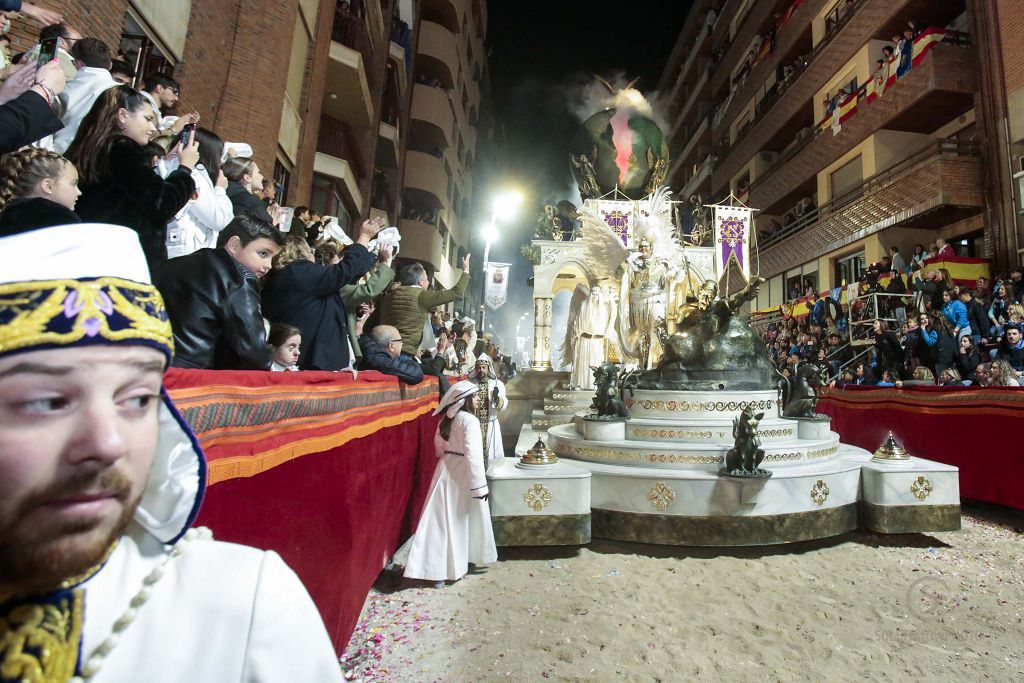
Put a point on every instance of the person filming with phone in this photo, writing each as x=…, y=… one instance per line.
x=28, y=103
x=118, y=183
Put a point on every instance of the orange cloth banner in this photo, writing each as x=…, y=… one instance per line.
x=251, y=422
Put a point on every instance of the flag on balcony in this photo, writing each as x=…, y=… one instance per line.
x=925, y=41
x=881, y=81
x=788, y=14
x=496, y=286
x=844, y=109
x=732, y=239
x=963, y=269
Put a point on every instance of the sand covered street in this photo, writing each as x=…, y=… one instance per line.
x=947, y=606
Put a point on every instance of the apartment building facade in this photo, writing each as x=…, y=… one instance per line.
x=443, y=152
x=784, y=104
x=324, y=92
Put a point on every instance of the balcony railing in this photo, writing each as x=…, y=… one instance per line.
x=828, y=211
x=350, y=25
x=338, y=139
x=761, y=109
x=809, y=134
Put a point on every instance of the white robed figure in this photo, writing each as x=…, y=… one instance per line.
x=487, y=410
x=455, y=527
x=590, y=333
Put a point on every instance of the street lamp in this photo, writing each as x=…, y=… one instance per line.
x=504, y=206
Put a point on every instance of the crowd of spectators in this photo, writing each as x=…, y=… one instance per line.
x=248, y=284
x=922, y=329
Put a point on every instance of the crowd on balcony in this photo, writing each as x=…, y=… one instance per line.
x=249, y=284
x=923, y=329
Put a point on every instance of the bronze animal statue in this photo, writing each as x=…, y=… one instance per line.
x=608, y=404
x=799, y=394
x=744, y=458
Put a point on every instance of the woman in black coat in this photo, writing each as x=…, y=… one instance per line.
x=304, y=294
x=887, y=345
x=118, y=182
x=969, y=359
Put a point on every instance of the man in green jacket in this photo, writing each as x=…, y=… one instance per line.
x=408, y=306
x=369, y=287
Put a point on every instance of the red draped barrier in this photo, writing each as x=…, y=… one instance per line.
x=328, y=471
x=977, y=429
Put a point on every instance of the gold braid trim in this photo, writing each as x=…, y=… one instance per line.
x=40, y=641
x=64, y=312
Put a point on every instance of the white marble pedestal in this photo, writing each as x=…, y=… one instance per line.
x=539, y=504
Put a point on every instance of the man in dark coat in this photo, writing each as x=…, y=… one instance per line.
x=977, y=316
x=382, y=351
x=306, y=295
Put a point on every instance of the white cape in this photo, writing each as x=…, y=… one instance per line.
x=455, y=528
x=221, y=613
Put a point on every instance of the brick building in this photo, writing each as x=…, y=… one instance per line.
x=779, y=102
x=321, y=89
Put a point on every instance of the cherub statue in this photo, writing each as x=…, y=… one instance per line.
x=607, y=403
x=799, y=397
x=745, y=457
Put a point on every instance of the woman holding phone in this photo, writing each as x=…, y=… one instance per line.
x=118, y=183
x=209, y=211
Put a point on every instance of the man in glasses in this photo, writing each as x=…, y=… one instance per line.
x=163, y=92
x=382, y=351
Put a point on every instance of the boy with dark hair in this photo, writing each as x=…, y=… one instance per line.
x=163, y=90
x=121, y=72
x=213, y=298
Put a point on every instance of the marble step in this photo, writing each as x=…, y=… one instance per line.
x=567, y=442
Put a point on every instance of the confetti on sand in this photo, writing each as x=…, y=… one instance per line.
x=948, y=606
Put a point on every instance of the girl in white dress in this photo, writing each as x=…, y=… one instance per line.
x=455, y=528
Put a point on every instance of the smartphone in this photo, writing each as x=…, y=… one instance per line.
x=187, y=133
x=47, y=52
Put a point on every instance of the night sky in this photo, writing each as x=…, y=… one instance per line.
x=542, y=58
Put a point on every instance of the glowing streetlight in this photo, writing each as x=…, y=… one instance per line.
x=503, y=207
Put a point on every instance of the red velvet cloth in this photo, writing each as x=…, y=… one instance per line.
x=335, y=517
x=328, y=471
x=977, y=429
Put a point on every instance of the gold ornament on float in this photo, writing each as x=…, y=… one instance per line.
x=890, y=450
x=661, y=496
x=921, y=488
x=537, y=498
x=540, y=454
x=819, y=493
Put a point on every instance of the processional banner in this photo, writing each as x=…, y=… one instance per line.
x=619, y=216
x=496, y=287
x=732, y=239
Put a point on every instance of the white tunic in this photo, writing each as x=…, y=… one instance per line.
x=597, y=329
x=455, y=528
x=221, y=613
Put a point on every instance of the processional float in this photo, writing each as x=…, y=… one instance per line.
x=693, y=437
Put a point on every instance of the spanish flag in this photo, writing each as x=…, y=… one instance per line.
x=963, y=269
x=925, y=41
x=784, y=19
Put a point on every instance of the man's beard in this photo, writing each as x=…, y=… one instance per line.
x=36, y=557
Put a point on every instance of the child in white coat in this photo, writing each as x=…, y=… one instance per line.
x=455, y=527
